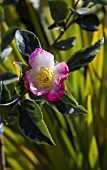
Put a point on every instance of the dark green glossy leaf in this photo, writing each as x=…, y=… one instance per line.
x=8, y=37
x=7, y=2
x=8, y=77
x=26, y=43
x=88, y=22
x=84, y=56
x=1, y=14
x=23, y=68
x=68, y=105
x=59, y=10
x=5, y=53
x=20, y=86
x=81, y=11
x=65, y=44
x=5, y=96
x=31, y=122
x=66, y=108
x=102, y=2
x=57, y=26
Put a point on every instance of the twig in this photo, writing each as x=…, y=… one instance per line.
x=60, y=35
x=2, y=156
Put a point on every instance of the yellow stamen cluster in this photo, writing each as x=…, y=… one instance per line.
x=44, y=77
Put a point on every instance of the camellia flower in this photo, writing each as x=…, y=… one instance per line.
x=44, y=78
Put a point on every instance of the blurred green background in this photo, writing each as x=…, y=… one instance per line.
x=81, y=140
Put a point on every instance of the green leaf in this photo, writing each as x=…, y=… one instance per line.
x=23, y=68
x=1, y=14
x=4, y=93
x=102, y=2
x=68, y=105
x=81, y=11
x=59, y=10
x=8, y=77
x=84, y=56
x=31, y=122
x=88, y=22
x=8, y=37
x=26, y=43
x=93, y=152
x=7, y=2
x=20, y=86
x=57, y=26
x=5, y=53
x=65, y=44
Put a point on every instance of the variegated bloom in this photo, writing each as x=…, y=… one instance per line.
x=44, y=78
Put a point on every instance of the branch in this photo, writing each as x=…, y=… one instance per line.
x=2, y=156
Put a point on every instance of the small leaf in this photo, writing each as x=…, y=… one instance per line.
x=65, y=44
x=5, y=53
x=59, y=10
x=57, y=26
x=68, y=105
x=7, y=2
x=8, y=37
x=88, y=22
x=4, y=93
x=67, y=109
x=102, y=2
x=82, y=11
x=8, y=77
x=23, y=68
x=1, y=14
x=31, y=122
x=20, y=86
x=26, y=43
x=84, y=56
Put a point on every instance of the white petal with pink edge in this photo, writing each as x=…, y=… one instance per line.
x=61, y=70
x=40, y=59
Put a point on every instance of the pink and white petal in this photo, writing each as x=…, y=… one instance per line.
x=55, y=93
x=35, y=91
x=61, y=70
x=41, y=58
x=30, y=83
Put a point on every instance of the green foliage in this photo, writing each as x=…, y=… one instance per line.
x=26, y=42
x=7, y=2
x=8, y=77
x=31, y=122
x=68, y=105
x=8, y=37
x=4, y=94
x=88, y=22
x=81, y=11
x=84, y=56
x=103, y=2
x=1, y=14
x=65, y=44
x=59, y=10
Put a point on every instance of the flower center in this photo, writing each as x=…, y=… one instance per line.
x=45, y=77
